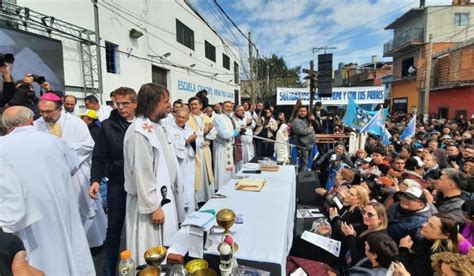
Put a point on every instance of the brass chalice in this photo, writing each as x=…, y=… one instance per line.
x=225, y=218
x=155, y=256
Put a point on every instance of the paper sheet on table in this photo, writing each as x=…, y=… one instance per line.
x=202, y=220
x=330, y=245
x=195, y=239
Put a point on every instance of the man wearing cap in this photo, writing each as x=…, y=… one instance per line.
x=407, y=216
x=91, y=119
x=450, y=195
x=414, y=169
x=74, y=132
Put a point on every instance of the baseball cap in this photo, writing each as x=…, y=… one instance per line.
x=416, y=193
x=414, y=162
x=90, y=113
x=367, y=160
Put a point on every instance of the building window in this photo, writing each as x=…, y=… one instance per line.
x=461, y=19
x=159, y=75
x=236, y=73
x=184, y=35
x=112, y=58
x=406, y=64
x=210, y=51
x=225, y=61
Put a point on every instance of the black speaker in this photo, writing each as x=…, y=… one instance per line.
x=325, y=75
x=306, y=182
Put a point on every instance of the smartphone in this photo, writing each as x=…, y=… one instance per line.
x=338, y=203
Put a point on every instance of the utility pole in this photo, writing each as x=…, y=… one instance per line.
x=97, y=49
x=312, y=84
x=268, y=79
x=426, y=94
x=252, y=80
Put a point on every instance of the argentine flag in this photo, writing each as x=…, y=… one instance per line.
x=376, y=125
x=409, y=130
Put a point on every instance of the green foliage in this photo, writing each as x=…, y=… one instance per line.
x=278, y=75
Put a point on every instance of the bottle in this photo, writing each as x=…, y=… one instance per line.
x=126, y=265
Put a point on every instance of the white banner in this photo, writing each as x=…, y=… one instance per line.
x=340, y=95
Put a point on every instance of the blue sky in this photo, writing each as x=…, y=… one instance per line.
x=291, y=28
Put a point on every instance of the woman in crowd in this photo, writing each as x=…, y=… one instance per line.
x=466, y=238
x=359, y=157
x=380, y=251
x=439, y=235
x=343, y=181
x=448, y=264
x=375, y=218
x=355, y=200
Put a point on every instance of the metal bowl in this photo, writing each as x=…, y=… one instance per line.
x=225, y=218
x=204, y=272
x=150, y=271
x=196, y=265
x=155, y=256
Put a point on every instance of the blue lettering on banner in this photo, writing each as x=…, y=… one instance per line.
x=193, y=88
x=340, y=95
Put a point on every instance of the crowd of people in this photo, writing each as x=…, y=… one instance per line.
x=403, y=206
x=72, y=180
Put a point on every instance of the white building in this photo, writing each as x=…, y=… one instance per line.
x=177, y=47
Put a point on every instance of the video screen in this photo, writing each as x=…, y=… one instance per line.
x=34, y=54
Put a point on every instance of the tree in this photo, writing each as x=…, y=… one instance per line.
x=272, y=73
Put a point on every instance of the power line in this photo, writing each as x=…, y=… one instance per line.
x=235, y=25
x=362, y=34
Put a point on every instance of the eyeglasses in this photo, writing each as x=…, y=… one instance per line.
x=47, y=112
x=124, y=104
x=368, y=214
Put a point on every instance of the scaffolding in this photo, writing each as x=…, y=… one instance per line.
x=25, y=19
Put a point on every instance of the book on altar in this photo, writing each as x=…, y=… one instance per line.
x=250, y=184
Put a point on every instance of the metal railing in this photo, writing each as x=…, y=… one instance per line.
x=410, y=35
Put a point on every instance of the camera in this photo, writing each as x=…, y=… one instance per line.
x=6, y=58
x=38, y=79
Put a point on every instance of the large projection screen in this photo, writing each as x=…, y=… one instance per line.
x=34, y=54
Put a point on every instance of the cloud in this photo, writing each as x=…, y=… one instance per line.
x=292, y=28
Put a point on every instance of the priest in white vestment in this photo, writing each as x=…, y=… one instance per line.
x=75, y=133
x=224, y=145
x=182, y=139
x=202, y=126
x=246, y=140
x=35, y=199
x=150, y=175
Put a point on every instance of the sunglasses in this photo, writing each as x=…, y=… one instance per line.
x=368, y=214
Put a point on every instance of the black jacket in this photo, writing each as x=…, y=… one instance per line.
x=417, y=260
x=94, y=129
x=353, y=217
x=107, y=157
